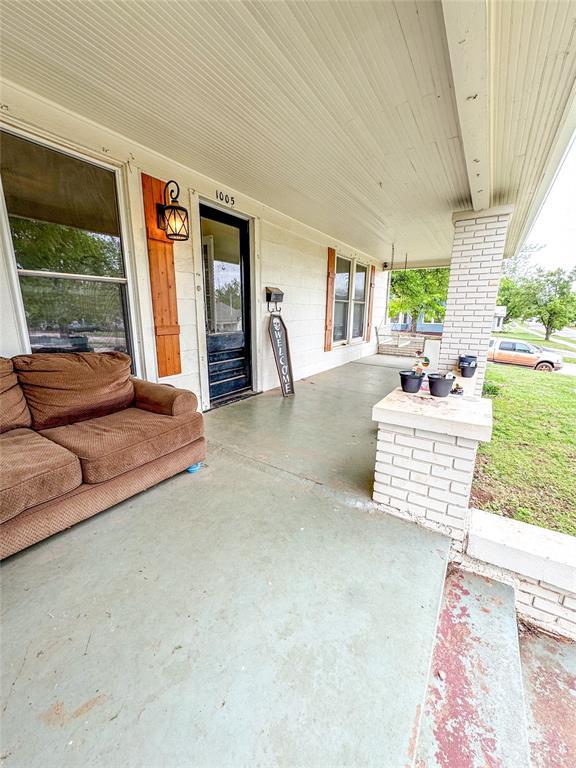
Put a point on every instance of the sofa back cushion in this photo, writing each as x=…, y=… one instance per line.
x=14, y=412
x=63, y=388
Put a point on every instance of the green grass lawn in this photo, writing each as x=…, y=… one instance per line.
x=527, y=471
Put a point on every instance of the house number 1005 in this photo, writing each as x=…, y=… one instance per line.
x=224, y=198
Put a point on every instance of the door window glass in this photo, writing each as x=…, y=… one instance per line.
x=222, y=275
x=507, y=346
x=65, y=229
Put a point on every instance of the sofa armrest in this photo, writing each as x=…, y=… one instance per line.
x=163, y=398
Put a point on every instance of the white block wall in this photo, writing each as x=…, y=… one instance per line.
x=425, y=477
x=475, y=271
x=548, y=606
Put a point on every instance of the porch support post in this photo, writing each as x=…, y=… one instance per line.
x=475, y=269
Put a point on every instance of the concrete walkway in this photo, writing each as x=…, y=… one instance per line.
x=256, y=614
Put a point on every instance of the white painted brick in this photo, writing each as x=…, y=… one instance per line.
x=461, y=489
x=435, y=457
x=466, y=442
x=381, y=498
x=434, y=436
x=456, y=451
x=447, y=473
x=427, y=502
x=568, y=627
x=550, y=607
x=408, y=485
x=383, y=461
x=400, y=472
x=466, y=465
x=394, y=449
x=382, y=479
x=570, y=602
x=430, y=480
x=395, y=430
x=397, y=493
x=411, y=463
x=455, y=510
x=524, y=597
x=535, y=613
x=413, y=442
x=547, y=594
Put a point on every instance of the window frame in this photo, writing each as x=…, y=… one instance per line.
x=350, y=339
x=129, y=298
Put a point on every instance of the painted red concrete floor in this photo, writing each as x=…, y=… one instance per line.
x=549, y=671
x=474, y=711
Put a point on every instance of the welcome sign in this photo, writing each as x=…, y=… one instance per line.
x=279, y=338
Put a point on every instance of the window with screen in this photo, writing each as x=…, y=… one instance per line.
x=64, y=222
x=350, y=295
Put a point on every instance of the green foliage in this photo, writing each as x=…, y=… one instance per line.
x=527, y=470
x=514, y=296
x=419, y=290
x=547, y=296
x=58, y=248
x=490, y=389
x=552, y=298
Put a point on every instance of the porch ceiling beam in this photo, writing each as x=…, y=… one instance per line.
x=467, y=34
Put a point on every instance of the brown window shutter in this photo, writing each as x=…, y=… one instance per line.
x=368, y=330
x=329, y=328
x=162, y=282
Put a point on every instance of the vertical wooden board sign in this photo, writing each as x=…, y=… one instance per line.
x=162, y=282
x=281, y=349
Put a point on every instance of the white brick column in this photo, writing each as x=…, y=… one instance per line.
x=425, y=458
x=475, y=270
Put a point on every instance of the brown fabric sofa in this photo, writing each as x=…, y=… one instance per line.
x=79, y=434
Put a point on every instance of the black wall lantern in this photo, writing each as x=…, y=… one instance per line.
x=172, y=218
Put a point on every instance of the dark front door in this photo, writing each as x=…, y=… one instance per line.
x=226, y=264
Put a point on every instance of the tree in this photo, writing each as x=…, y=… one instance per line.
x=418, y=291
x=515, y=297
x=551, y=299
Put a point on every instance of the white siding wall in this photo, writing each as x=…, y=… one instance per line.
x=288, y=254
x=299, y=267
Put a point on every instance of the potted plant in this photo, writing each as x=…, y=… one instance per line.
x=411, y=381
x=440, y=384
x=468, y=365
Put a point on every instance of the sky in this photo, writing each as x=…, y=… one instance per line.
x=555, y=225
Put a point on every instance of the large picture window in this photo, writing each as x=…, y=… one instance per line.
x=65, y=228
x=350, y=292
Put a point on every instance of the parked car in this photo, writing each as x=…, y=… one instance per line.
x=516, y=352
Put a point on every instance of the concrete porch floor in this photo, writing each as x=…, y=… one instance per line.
x=258, y=613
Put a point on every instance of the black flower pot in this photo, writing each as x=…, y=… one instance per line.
x=468, y=364
x=411, y=381
x=439, y=386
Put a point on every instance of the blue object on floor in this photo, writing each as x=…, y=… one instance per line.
x=194, y=468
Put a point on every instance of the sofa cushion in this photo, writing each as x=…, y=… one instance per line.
x=111, y=445
x=14, y=412
x=63, y=388
x=33, y=470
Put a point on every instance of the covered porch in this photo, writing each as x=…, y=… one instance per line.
x=265, y=611
x=259, y=612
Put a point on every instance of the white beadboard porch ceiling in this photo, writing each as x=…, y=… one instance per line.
x=340, y=114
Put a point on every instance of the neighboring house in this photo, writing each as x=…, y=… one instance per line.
x=403, y=322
